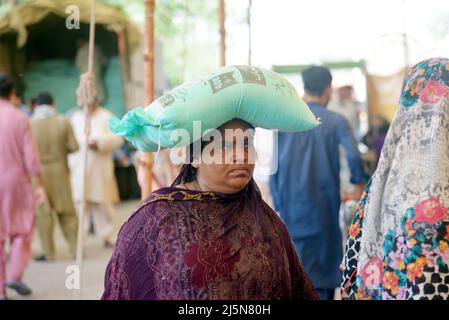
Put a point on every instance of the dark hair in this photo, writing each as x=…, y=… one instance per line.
x=316, y=80
x=6, y=86
x=190, y=174
x=43, y=98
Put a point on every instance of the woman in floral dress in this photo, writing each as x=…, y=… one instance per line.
x=398, y=245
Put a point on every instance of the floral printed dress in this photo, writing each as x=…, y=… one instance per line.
x=398, y=246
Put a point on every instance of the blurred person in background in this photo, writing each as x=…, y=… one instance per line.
x=346, y=105
x=99, y=64
x=125, y=172
x=28, y=109
x=17, y=101
x=19, y=164
x=375, y=137
x=306, y=187
x=101, y=185
x=55, y=141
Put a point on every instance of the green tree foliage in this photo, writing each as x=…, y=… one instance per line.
x=188, y=30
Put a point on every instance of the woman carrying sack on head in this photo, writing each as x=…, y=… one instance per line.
x=210, y=235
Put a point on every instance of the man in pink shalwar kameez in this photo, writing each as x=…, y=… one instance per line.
x=19, y=162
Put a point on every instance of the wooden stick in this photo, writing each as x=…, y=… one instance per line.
x=82, y=213
x=250, y=4
x=149, y=51
x=222, y=32
x=91, y=38
x=121, y=42
x=147, y=158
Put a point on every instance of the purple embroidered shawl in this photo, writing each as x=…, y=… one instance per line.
x=190, y=245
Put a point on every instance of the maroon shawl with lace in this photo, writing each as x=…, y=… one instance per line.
x=184, y=244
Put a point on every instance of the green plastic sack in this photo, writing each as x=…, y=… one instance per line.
x=261, y=97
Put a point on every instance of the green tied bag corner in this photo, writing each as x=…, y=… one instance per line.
x=261, y=97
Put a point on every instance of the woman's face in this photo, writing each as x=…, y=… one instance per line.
x=227, y=163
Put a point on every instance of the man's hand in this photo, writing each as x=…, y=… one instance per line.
x=356, y=194
x=93, y=145
x=40, y=196
x=124, y=161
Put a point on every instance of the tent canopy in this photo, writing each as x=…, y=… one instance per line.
x=23, y=16
x=38, y=49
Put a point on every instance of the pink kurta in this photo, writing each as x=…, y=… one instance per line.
x=18, y=160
